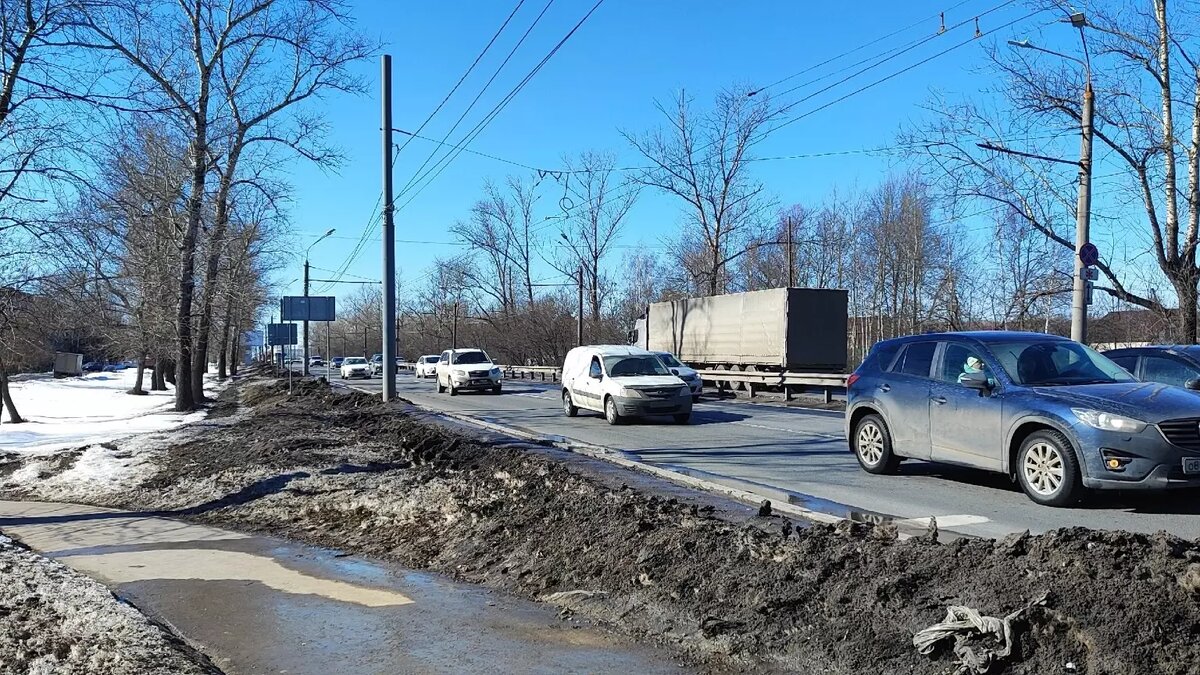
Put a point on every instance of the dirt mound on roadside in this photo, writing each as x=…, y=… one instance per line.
x=751, y=594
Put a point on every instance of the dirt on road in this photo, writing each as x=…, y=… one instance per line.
x=725, y=591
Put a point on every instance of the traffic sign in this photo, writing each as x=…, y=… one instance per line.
x=1088, y=254
x=281, y=334
x=307, y=308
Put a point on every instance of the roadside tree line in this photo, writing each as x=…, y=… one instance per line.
x=140, y=148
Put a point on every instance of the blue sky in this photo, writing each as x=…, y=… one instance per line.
x=605, y=79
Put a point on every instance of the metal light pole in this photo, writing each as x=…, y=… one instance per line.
x=1083, y=210
x=306, y=252
x=389, y=240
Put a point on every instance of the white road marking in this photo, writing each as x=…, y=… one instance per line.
x=946, y=521
x=837, y=437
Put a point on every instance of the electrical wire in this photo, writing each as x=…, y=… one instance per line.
x=483, y=124
x=475, y=100
x=861, y=47
x=464, y=75
x=886, y=77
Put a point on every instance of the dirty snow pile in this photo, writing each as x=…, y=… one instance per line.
x=69, y=412
x=55, y=620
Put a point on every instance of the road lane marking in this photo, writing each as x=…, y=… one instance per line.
x=837, y=437
x=947, y=521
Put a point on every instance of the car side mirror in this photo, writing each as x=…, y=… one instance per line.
x=675, y=372
x=1193, y=384
x=977, y=381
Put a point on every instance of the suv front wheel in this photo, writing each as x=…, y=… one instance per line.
x=872, y=445
x=1048, y=470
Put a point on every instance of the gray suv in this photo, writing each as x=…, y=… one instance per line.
x=1055, y=415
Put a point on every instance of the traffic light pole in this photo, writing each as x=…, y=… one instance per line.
x=1083, y=218
x=389, y=241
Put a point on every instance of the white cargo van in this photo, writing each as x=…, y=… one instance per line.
x=622, y=382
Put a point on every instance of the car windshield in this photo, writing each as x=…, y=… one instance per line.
x=354, y=360
x=465, y=358
x=431, y=359
x=632, y=366
x=1052, y=363
x=670, y=361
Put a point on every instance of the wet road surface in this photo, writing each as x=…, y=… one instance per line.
x=262, y=605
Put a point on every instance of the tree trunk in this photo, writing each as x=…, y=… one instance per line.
x=235, y=355
x=1185, y=289
x=215, y=248
x=141, y=374
x=185, y=398
x=14, y=417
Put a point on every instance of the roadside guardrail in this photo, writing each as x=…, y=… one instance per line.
x=788, y=383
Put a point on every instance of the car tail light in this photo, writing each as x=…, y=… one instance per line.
x=851, y=380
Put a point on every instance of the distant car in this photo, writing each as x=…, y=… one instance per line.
x=315, y=362
x=114, y=368
x=622, y=382
x=377, y=364
x=467, y=369
x=93, y=366
x=355, y=366
x=685, y=373
x=337, y=361
x=1054, y=414
x=1175, y=365
x=426, y=366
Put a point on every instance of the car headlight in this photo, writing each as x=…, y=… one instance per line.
x=631, y=393
x=1108, y=421
x=495, y=372
x=459, y=375
x=686, y=391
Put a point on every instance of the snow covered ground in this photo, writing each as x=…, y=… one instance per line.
x=77, y=411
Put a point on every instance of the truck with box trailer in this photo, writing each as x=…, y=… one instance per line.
x=794, y=330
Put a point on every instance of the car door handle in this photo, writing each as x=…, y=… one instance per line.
x=940, y=400
x=885, y=387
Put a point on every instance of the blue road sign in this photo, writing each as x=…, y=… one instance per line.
x=1088, y=254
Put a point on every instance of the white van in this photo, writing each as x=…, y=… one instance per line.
x=622, y=382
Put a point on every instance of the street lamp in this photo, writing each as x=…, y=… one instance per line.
x=579, y=325
x=306, y=252
x=1083, y=210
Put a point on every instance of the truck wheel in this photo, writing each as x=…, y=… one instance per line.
x=453, y=390
x=569, y=406
x=610, y=411
x=440, y=388
x=872, y=445
x=1047, y=469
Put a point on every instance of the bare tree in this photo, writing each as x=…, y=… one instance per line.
x=702, y=159
x=1146, y=78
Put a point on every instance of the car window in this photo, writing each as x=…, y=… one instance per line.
x=1050, y=363
x=465, y=358
x=444, y=358
x=354, y=360
x=1127, y=361
x=670, y=361
x=958, y=360
x=594, y=369
x=632, y=366
x=917, y=359
x=1166, y=370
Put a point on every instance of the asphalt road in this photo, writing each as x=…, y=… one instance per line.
x=804, y=454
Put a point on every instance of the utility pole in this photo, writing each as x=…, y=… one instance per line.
x=790, y=255
x=579, y=328
x=1083, y=221
x=454, y=328
x=365, y=354
x=306, y=314
x=389, y=241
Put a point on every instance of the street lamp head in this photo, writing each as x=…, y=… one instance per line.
x=1077, y=19
x=329, y=233
x=1023, y=44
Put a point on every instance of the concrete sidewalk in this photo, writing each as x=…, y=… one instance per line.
x=262, y=605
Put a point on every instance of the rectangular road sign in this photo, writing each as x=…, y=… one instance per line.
x=310, y=308
x=281, y=334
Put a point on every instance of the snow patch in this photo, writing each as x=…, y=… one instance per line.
x=70, y=412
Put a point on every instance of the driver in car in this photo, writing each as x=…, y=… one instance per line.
x=973, y=366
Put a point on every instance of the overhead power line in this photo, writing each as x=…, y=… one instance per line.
x=859, y=48
x=499, y=107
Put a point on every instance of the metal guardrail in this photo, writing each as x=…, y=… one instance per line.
x=829, y=383
x=542, y=373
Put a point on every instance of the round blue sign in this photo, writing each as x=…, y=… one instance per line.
x=1088, y=254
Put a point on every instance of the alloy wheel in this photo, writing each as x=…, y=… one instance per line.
x=870, y=444
x=1043, y=468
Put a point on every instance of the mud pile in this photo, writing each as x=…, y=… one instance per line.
x=749, y=593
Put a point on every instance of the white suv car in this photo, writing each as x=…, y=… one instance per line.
x=464, y=369
x=355, y=366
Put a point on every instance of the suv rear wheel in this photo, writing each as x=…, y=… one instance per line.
x=1047, y=469
x=872, y=443
x=569, y=406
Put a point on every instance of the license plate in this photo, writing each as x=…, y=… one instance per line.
x=1191, y=464
x=479, y=381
